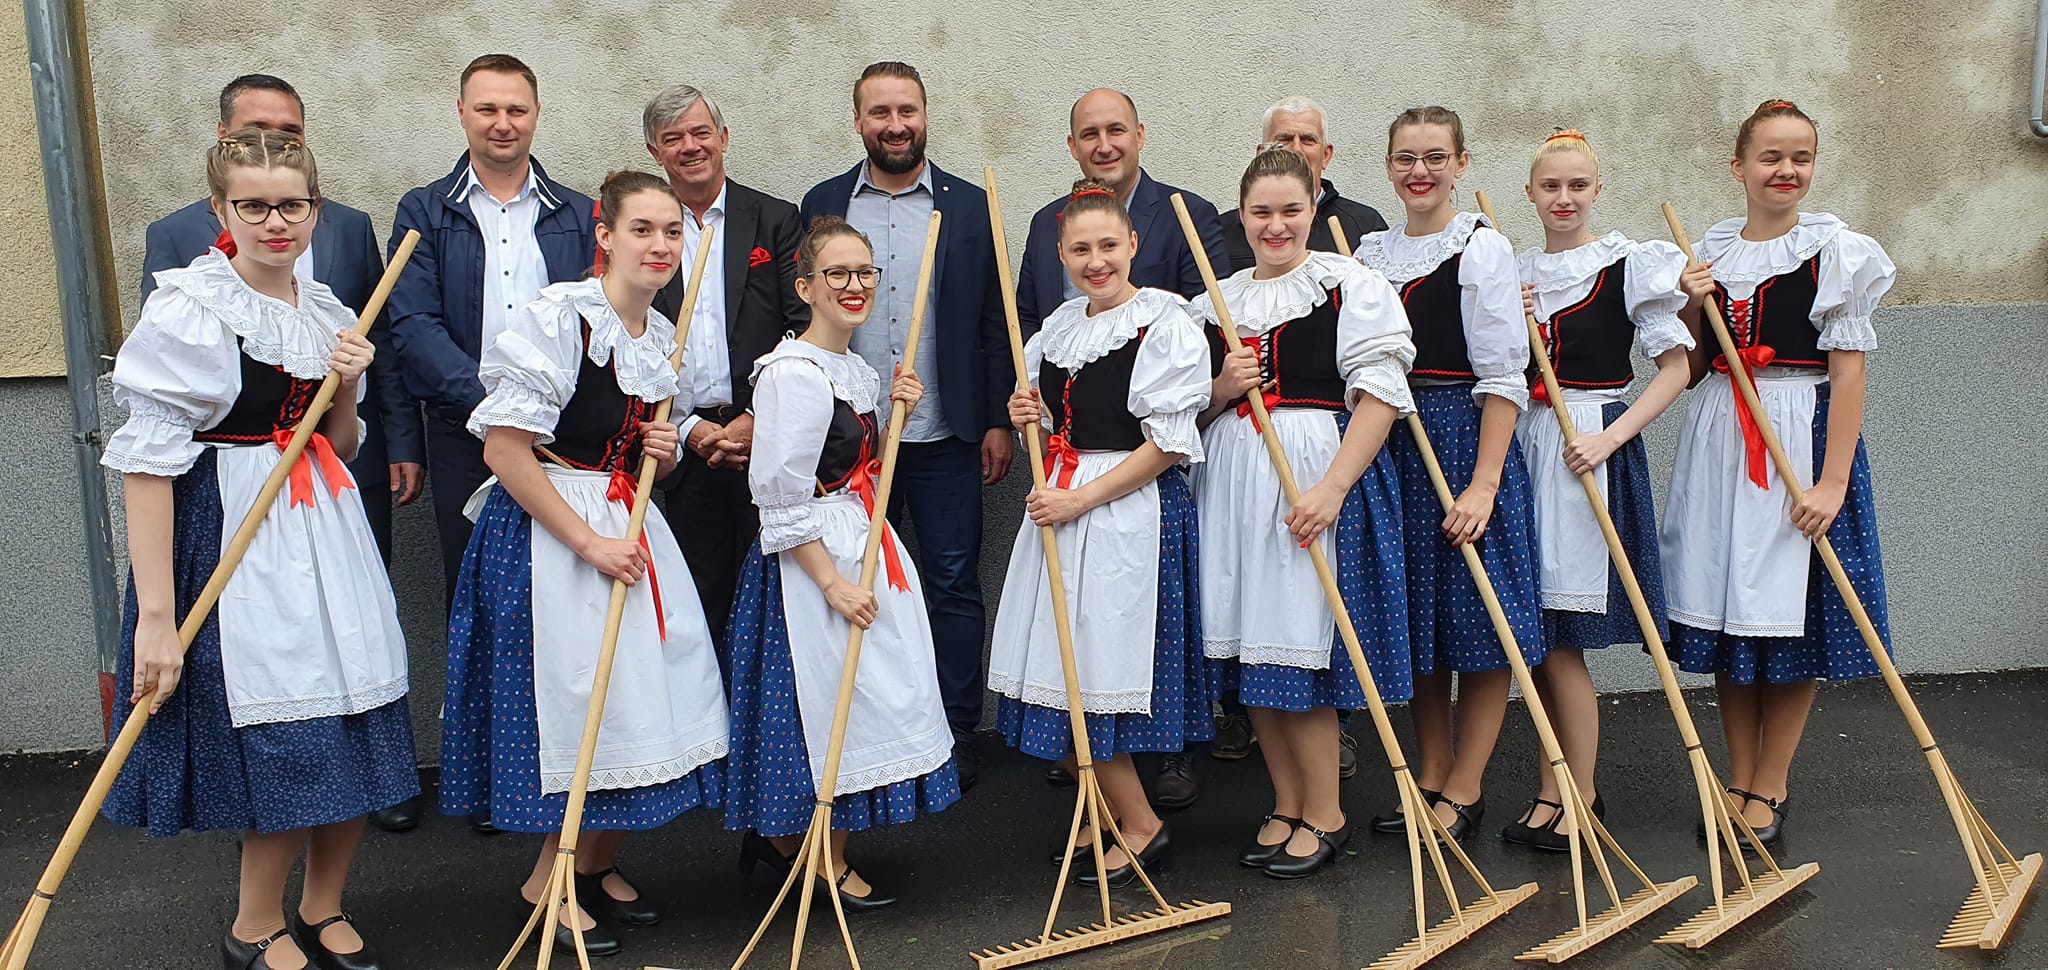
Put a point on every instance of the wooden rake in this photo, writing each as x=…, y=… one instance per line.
x=2003, y=881
x=1758, y=890
x=22, y=938
x=1625, y=911
x=816, y=862
x=1088, y=798
x=1430, y=941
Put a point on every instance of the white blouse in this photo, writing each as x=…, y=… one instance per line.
x=1649, y=287
x=180, y=370
x=1855, y=273
x=1375, y=345
x=529, y=370
x=795, y=386
x=1170, y=378
x=1490, y=299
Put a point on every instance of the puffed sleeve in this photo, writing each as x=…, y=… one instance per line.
x=1375, y=343
x=177, y=373
x=1855, y=273
x=1653, y=298
x=529, y=371
x=1496, y=338
x=1034, y=361
x=1170, y=383
x=792, y=412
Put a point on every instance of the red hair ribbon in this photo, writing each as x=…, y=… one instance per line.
x=1777, y=104
x=317, y=450
x=1089, y=191
x=595, y=211
x=225, y=243
x=621, y=489
x=1566, y=133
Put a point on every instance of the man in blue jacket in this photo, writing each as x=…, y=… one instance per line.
x=1106, y=138
x=343, y=255
x=493, y=232
x=958, y=437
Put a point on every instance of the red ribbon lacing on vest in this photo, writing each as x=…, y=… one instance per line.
x=1244, y=407
x=861, y=482
x=622, y=489
x=317, y=449
x=1761, y=355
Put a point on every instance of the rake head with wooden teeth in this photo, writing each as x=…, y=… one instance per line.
x=1757, y=891
x=2004, y=882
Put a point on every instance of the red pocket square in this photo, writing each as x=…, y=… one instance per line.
x=759, y=257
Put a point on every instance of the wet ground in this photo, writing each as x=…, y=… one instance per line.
x=1864, y=806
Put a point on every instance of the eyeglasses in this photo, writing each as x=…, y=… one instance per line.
x=839, y=279
x=257, y=212
x=1434, y=161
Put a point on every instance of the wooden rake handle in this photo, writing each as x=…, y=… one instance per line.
x=1055, y=577
x=878, y=523
x=1346, y=631
x=615, y=614
x=202, y=607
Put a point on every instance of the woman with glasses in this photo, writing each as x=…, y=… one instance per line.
x=1456, y=276
x=1119, y=375
x=287, y=721
x=817, y=450
x=571, y=386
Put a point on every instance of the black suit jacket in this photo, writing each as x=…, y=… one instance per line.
x=345, y=257
x=1357, y=218
x=760, y=235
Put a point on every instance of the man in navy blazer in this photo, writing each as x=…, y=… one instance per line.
x=493, y=232
x=958, y=438
x=1106, y=138
x=343, y=255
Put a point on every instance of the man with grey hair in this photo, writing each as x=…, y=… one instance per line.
x=746, y=302
x=1298, y=123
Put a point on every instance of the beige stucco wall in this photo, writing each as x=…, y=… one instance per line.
x=31, y=336
x=1921, y=103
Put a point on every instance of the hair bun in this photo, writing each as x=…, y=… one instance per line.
x=1776, y=104
x=1566, y=134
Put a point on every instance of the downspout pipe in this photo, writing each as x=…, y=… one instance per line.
x=2040, y=68
x=60, y=74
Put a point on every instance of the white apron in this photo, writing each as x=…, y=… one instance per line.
x=664, y=714
x=1574, y=560
x=1109, y=560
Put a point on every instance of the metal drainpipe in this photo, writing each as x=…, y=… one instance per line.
x=2040, y=68
x=60, y=72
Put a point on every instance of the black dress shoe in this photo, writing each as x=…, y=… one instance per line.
x=322, y=958
x=1059, y=777
x=1174, y=789
x=853, y=905
x=1256, y=855
x=756, y=849
x=631, y=912
x=597, y=941
x=480, y=823
x=1329, y=849
x=1081, y=852
x=1545, y=836
x=966, y=766
x=237, y=955
x=1396, y=821
x=1765, y=834
x=402, y=817
x=1469, y=816
x=1744, y=796
x=1153, y=857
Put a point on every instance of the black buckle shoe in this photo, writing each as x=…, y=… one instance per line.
x=632, y=912
x=853, y=905
x=1545, y=836
x=317, y=953
x=238, y=955
x=1469, y=816
x=1767, y=834
x=1396, y=821
x=1329, y=848
x=1259, y=853
x=1153, y=857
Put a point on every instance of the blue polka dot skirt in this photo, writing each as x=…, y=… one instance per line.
x=1448, y=624
x=193, y=769
x=490, y=740
x=1831, y=648
x=1184, y=683
x=768, y=773
x=1633, y=507
x=1369, y=566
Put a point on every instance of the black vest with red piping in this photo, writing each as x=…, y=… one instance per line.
x=849, y=445
x=1090, y=405
x=1779, y=315
x=1299, y=358
x=599, y=429
x=271, y=400
x=1436, y=311
x=1588, y=342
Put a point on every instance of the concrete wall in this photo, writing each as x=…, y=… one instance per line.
x=1921, y=105
x=31, y=340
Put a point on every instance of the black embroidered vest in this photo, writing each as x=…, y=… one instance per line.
x=1435, y=310
x=850, y=442
x=271, y=400
x=1091, y=405
x=599, y=429
x=1299, y=358
x=1588, y=342
x=1779, y=315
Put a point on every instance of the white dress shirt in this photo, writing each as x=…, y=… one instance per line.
x=514, y=270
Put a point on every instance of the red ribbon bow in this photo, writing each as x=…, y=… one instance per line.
x=622, y=489
x=317, y=449
x=1539, y=393
x=225, y=243
x=1760, y=355
x=1061, y=457
x=759, y=257
x=862, y=483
